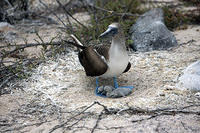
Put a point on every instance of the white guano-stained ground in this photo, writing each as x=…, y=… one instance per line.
x=62, y=83
x=59, y=89
x=154, y=75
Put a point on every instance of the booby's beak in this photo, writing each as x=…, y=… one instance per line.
x=111, y=31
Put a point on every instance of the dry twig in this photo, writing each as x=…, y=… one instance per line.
x=97, y=122
x=132, y=111
x=23, y=46
x=54, y=14
x=68, y=13
x=113, y=12
x=64, y=123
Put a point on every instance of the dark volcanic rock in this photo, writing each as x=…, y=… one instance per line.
x=150, y=33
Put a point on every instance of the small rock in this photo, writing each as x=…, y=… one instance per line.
x=7, y=31
x=5, y=27
x=194, y=68
x=150, y=33
x=197, y=95
x=191, y=77
x=169, y=87
x=162, y=94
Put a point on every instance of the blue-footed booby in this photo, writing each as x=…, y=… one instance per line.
x=105, y=60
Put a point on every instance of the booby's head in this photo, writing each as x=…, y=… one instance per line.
x=113, y=29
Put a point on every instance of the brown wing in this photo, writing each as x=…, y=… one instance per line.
x=103, y=50
x=92, y=62
x=128, y=67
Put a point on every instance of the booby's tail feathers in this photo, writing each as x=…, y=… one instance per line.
x=78, y=43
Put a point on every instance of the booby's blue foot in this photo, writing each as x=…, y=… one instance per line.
x=97, y=82
x=113, y=92
x=115, y=82
x=99, y=91
x=130, y=87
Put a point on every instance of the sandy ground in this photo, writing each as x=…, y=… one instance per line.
x=153, y=74
x=60, y=85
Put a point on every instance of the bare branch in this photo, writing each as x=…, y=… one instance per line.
x=113, y=12
x=54, y=15
x=23, y=46
x=23, y=126
x=71, y=14
x=97, y=122
x=8, y=3
x=64, y=123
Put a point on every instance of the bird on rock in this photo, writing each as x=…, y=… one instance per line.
x=106, y=61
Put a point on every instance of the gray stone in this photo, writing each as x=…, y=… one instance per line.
x=197, y=95
x=150, y=33
x=191, y=77
x=5, y=25
x=7, y=31
x=119, y=92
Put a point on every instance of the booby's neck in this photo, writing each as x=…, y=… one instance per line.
x=118, y=43
x=118, y=56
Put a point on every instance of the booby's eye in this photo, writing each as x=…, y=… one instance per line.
x=113, y=30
